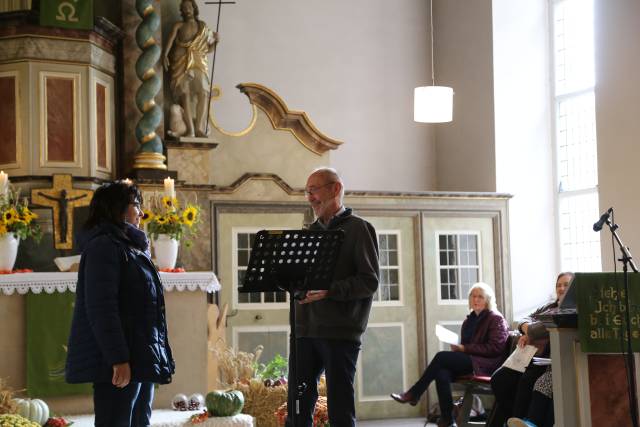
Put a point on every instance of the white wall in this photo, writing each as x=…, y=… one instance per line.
x=351, y=65
x=617, y=31
x=463, y=46
x=524, y=154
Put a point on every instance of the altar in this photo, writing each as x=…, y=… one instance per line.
x=187, y=315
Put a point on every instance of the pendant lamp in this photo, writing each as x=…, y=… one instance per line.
x=432, y=104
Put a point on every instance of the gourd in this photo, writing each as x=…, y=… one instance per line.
x=224, y=403
x=15, y=420
x=33, y=409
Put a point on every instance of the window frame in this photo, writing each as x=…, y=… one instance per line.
x=437, y=234
x=555, y=100
x=400, y=301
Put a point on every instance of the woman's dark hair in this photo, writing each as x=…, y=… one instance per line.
x=110, y=202
x=566, y=273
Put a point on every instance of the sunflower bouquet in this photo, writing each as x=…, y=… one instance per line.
x=17, y=218
x=164, y=215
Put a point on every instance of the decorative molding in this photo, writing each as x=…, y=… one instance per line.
x=75, y=113
x=282, y=118
x=17, y=119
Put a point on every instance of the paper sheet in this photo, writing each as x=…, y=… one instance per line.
x=447, y=336
x=520, y=358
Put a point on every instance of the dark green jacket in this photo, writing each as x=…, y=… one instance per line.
x=345, y=312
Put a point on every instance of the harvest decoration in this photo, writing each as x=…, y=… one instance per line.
x=17, y=218
x=163, y=215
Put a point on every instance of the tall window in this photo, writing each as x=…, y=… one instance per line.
x=389, y=287
x=575, y=139
x=458, y=264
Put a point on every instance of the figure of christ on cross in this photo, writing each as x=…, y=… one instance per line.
x=62, y=198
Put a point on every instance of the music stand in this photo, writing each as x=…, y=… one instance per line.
x=294, y=261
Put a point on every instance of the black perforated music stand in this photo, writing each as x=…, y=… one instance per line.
x=294, y=261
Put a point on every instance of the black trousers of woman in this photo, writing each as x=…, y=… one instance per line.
x=444, y=368
x=541, y=410
x=513, y=389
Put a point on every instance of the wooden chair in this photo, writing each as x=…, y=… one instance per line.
x=481, y=385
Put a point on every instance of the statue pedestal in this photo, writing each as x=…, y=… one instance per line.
x=192, y=157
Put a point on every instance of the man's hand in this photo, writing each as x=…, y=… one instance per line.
x=456, y=347
x=312, y=296
x=121, y=375
x=522, y=341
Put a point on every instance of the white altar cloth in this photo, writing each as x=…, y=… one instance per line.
x=169, y=418
x=51, y=282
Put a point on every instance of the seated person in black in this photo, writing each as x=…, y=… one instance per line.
x=513, y=389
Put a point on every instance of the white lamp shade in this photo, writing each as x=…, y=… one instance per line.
x=433, y=104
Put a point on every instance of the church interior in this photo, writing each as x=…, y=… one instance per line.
x=504, y=193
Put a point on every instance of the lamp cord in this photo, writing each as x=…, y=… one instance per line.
x=433, y=74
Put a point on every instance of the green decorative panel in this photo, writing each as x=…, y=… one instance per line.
x=382, y=362
x=67, y=13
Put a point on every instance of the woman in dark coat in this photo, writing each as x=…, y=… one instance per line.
x=483, y=337
x=118, y=338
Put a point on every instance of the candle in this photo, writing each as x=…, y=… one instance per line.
x=127, y=181
x=4, y=183
x=169, y=190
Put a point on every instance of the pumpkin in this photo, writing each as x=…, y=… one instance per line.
x=33, y=409
x=224, y=403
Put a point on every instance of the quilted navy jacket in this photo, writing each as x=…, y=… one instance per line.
x=119, y=314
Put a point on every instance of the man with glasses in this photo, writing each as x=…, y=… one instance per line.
x=330, y=323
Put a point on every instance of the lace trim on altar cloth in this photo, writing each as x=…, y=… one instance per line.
x=62, y=282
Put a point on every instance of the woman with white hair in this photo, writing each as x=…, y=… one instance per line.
x=483, y=340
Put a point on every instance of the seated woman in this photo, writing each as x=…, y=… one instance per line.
x=513, y=389
x=483, y=336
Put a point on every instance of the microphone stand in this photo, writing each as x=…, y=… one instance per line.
x=627, y=260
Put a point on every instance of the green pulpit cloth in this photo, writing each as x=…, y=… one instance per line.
x=75, y=14
x=48, y=324
x=601, y=312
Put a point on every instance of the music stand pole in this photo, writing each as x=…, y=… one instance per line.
x=627, y=260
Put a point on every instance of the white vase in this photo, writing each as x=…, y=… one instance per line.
x=166, y=251
x=8, y=251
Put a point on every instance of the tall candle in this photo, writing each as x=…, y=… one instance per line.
x=4, y=183
x=169, y=190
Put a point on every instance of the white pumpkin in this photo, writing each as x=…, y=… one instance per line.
x=33, y=409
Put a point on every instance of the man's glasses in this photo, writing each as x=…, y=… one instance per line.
x=313, y=190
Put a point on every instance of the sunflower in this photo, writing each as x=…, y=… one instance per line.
x=170, y=203
x=147, y=216
x=10, y=216
x=28, y=216
x=3, y=229
x=161, y=219
x=190, y=215
x=173, y=219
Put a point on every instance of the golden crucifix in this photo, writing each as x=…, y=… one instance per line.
x=62, y=198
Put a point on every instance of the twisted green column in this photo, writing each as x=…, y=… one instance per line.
x=149, y=154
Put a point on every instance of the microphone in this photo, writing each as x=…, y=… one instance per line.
x=603, y=219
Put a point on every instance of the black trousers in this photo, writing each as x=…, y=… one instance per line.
x=513, y=390
x=337, y=358
x=113, y=406
x=541, y=410
x=443, y=368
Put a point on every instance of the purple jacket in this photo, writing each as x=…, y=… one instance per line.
x=488, y=343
